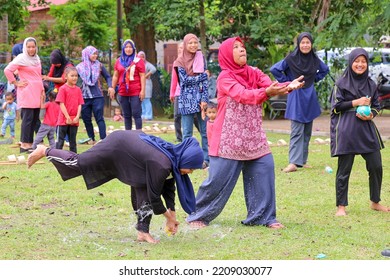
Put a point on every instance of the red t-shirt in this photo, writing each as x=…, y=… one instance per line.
x=72, y=98
x=51, y=73
x=133, y=79
x=51, y=114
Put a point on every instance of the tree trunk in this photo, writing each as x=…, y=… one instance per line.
x=202, y=27
x=143, y=34
x=324, y=12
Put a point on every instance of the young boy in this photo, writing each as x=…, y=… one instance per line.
x=70, y=99
x=49, y=123
x=10, y=114
x=210, y=113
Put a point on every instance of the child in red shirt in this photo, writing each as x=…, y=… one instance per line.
x=70, y=99
x=49, y=123
x=209, y=114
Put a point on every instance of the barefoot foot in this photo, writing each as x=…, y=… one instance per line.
x=290, y=168
x=146, y=237
x=379, y=207
x=36, y=155
x=275, y=226
x=341, y=211
x=197, y=224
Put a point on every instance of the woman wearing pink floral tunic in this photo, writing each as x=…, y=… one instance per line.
x=239, y=142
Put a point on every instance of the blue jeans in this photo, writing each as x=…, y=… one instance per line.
x=131, y=107
x=11, y=124
x=95, y=106
x=147, y=109
x=187, y=122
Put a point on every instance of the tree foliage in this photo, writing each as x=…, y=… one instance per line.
x=17, y=15
x=268, y=23
x=84, y=22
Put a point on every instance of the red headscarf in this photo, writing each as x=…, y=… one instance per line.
x=245, y=75
x=187, y=59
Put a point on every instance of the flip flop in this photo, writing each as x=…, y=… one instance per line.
x=84, y=141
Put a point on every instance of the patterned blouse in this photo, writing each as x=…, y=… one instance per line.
x=238, y=132
x=193, y=90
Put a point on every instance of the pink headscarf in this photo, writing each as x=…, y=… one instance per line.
x=193, y=63
x=245, y=75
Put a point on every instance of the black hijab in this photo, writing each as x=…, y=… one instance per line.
x=359, y=85
x=303, y=64
x=56, y=57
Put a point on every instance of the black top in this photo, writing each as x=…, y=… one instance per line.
x=125, y=156
x=349, y=134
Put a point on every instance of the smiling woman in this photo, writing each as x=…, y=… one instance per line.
x=302, y=104
x=191, y=71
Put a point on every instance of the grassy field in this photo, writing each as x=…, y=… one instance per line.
x=44, y=218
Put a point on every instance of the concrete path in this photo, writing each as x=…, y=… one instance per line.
x=321, y=125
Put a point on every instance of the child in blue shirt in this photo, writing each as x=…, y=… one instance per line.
x=9, y=116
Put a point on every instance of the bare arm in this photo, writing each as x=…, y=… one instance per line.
x=143, y=83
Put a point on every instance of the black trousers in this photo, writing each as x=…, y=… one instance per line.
x=30, y=118
x=66, y=163
x=143, y=209
x=71, y=131
x=375, y=174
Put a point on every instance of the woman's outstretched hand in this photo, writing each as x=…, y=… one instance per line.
x=296, y=84
x=284, y=88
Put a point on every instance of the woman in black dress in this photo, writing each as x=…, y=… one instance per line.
x=352, y=133
x=150, y=165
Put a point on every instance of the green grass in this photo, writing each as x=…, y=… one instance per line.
x=44, y=218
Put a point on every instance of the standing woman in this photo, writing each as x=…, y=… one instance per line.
x=193, y=80
x=90, y=70
x=129, y=74
x=353, y=134
x=56, y=73
x=239, y=144
x=29, y=89
x=302, y=104
x=147, y=108
x=174, y=97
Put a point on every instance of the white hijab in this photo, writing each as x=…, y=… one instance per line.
x=24, y=59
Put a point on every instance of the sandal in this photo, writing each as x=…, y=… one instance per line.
x=28, y=150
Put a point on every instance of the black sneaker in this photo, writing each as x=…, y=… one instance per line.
x=205, y=165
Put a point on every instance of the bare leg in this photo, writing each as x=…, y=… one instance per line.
x=146, y=237
x=379, y=207
x=36, y=155
x=341, y=211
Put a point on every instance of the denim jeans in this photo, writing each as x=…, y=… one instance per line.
x=147, y=109
x=11, y=124
x=131, y=107
x=187, y=122
x=95, y=106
